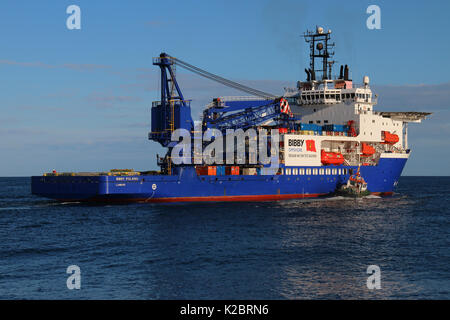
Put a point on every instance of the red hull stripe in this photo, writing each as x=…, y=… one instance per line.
x=390, y=193
x=266, y=197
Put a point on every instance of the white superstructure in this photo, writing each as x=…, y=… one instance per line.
x=343, y=114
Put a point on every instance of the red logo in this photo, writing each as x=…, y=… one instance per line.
x=310, y=145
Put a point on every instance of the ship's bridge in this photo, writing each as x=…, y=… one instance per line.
x=332, y=92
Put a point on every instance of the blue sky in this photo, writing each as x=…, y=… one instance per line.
x=79, y=100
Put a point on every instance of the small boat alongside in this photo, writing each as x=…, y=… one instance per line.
x=356, y=187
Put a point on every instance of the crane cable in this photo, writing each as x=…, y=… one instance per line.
x=221, y=80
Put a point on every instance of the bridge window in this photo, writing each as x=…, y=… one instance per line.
x=325, y=121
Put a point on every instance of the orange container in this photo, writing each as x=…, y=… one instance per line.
x=212, y=170
x=232, y=171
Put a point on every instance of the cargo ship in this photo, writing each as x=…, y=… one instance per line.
x=322, y=132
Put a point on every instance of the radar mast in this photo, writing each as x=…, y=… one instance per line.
x=319, y=49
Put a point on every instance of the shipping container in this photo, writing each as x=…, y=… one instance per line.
x=335, y=127
x=232, y=171
x=220, y=170
x=249, y=171
x=311, y=128
x=202, y=170
x=212, y=170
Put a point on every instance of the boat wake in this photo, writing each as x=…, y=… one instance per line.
x=372, y=196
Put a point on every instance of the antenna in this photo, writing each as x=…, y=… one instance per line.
x=320, y=48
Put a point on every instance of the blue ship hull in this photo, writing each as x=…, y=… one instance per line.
x=187, y=186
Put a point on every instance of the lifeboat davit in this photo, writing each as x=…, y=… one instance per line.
x=390, y=138
x=335, y=158
x=367, y=150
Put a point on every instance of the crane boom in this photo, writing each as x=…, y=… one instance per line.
x=221, y=80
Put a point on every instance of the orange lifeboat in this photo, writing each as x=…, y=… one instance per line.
x=335, y=158
x=367, y=150
x=390, y=138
